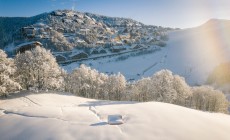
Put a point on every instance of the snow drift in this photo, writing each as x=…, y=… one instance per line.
x=64, y=116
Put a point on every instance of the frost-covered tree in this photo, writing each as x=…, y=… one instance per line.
x=38, y=69
x=89, y=83
x=183, y=91
x=60, y=41
x=142, y=90
x=207, y=99
x=116, y=86
x=163, y=86
x=86, y=82
x=8, y=82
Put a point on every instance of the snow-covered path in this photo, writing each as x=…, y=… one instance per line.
x=64, y=116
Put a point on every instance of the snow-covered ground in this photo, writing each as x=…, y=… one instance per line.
x=64, y=116
x=191, y=53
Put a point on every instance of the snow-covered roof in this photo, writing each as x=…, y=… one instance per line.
x=80, y=41
x=118, y=47
x=40, y=24
x=100, y=42
x=29, y=43
x=77, y=52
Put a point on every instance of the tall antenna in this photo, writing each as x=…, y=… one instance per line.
x=74, y=5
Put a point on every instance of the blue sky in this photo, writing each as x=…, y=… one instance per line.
x=170, y=13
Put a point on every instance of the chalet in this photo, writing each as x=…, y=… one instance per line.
x=117, y=48
x=87, y=17
x=101, y=42
x=94, y=20
x=79, y=15
x=151, y=41
x=28, y=32
x=101, y=50
x=27, y=46
x=60, y=30
x=94, y=51
x=87, y=22
x=137, y=46
x=79, y=21
x=67, y=21
x=68, y=14
x=46, y=37
x=80, y=55
x=60, y=58
x=115, y=38
x=84, y=31
x=40, y=25
x=81, y=41
x=117, y=43
x=48, y=28
x=57, y=13
x=38, y=36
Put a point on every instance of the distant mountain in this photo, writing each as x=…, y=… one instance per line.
x=63, y=30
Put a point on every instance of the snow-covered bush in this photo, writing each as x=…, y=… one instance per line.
x=207, y=99
x=8, y=82
x=38, y=69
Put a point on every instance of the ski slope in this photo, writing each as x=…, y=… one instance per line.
x=191, y=53
x=64, y=116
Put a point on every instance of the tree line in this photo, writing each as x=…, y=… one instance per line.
x=38, y=70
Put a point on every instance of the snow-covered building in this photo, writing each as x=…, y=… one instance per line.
x=60, y=30
x=27, y=46
x=57, y=13
x=94, y=51
x=117, y=48
x=78, y=15
x=84, y=31
x=79, y=55
x=137, y=46
x=101, y=50
x=79, y=21
x=28, y=32
x=60, y=58
x=101, y=42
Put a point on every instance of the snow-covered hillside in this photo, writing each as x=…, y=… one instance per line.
x=191, y=53
x=65, y=30
x=64, y=116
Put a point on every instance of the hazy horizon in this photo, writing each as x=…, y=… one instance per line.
x=167, y=13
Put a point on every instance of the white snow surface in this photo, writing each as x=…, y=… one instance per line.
x=191, y=53
x=64, y=116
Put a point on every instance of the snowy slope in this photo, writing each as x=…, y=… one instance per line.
x=59, y=116
x=191, y=53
